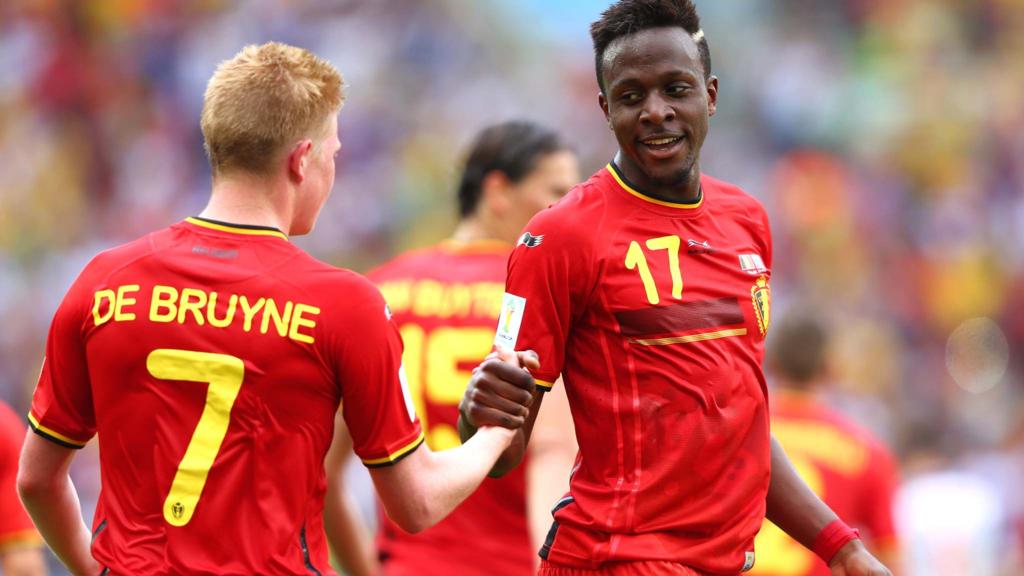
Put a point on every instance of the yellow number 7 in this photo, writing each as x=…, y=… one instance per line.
x=635, y=258
x=224, y=375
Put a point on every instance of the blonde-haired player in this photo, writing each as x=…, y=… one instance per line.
x=211, y=356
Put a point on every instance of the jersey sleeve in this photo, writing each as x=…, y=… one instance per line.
x=62, y=408
x=16, y=528
x=376, y=404
x=548, y=281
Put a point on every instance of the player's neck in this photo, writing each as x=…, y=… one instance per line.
x=688, y=192
x=472, y=229
x=248, y=200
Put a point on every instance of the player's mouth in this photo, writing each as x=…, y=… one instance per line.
x=661, y=147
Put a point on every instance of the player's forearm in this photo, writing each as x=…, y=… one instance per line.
x=27, y=561
x=440, y=481
x=791, y=505
x=516, y=450
x=55, y=509
x=347, y=534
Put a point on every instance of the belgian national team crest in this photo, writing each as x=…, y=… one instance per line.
x=761, y=294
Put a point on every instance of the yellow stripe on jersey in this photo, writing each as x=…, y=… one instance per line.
x=396, y=455
x=611, y=168
x=21, y=539
x=236, y=230
x=690, y=337
x=543, y=384
x=56, y=435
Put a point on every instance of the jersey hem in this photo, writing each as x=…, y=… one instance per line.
x=54, y=436
x=397, y=455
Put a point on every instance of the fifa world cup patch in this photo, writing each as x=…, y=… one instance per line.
x=748, y=561
x=511, y=319
x=761, y=295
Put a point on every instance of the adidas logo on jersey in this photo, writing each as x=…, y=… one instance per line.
x=695, y=247
x=530, y=240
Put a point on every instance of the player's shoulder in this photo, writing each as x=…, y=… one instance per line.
x=726, y=195
x=409, y=263
x=572, y=220
x=112, y=260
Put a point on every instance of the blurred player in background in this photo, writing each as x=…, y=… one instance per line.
x=844, y=464
x=445, y=300
x=647, y=289
x=21, y=548
x=210, y=358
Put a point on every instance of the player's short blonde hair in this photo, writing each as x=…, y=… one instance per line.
x=264, y=99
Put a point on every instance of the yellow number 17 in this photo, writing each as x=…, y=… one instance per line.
x=224, y=375
x=637, y=260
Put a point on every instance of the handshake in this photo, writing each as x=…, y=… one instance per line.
x=501, y=394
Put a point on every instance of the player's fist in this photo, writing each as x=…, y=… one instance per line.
x=853, y=559
x=501, y=390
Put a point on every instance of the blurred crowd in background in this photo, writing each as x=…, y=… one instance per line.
x=885, y=137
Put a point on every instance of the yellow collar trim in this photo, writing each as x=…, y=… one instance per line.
x=236, y=229
x=646, y=198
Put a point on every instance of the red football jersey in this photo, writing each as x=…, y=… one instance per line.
x=16, y=527
x=844, y=465
x=445, y=300
x=210, y=358
x=654, y=314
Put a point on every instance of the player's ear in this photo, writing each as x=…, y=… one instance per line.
x=603, y=103
x=712, y=86
x=298, y=160
x=496, y=192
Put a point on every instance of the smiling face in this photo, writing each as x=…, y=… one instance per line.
x=658, y=102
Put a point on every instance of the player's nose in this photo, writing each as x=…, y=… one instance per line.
x=656, y=110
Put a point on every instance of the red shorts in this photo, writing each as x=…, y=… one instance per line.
x=651, y=568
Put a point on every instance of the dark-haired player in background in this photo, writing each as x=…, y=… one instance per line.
x=21, y=548
x=650, y=296
x=210, y=358
x=844, y=464
x=445, y=300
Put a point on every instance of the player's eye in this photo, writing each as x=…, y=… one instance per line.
x=631, y=97
x=677, y=89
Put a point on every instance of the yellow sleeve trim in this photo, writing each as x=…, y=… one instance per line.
x=398, y=454
x=52, y=433
x=543, y=384
x=20, y=539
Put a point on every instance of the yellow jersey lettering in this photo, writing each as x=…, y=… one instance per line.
x=249, y=311
x=120, y=315
x=426, y=295
x=398, y=295
x=299, y=322
x=163, y=307
x=192, y=300
x=98, y=298
x=281, y=320
x=211, y=311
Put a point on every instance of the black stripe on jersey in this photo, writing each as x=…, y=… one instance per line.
x=54, y=439
x=549, y=541
x=396, y=460
x=105, y=571
x=242, y=226
x=680, y=317
x=305, y=552
x=100, y=528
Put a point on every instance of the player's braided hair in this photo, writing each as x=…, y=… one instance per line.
x=512, y=148
x=627, y=17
